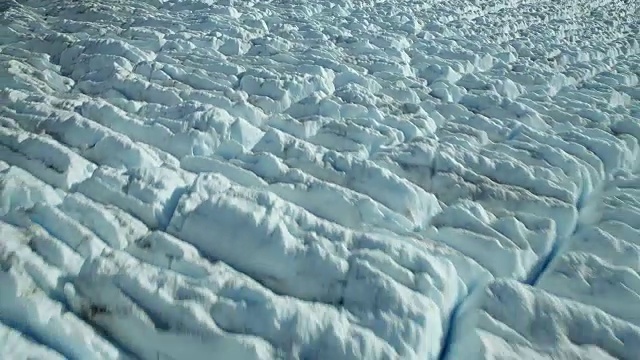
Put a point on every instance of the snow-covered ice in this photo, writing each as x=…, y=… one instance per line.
x=509, y=320
x=389, y=179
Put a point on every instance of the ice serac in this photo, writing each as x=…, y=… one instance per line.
x=150, y=194
x=401, y=289
x=508, y=320
x=16, y=344
x=319, y=180
x=21, y=189
x=601, y=265
x=55, y=164
x=507, y=245
x=131, y=301
x=28, y=292
x=382, y=185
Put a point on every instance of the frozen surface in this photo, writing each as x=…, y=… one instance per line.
x=509, y=320
x=319, y=180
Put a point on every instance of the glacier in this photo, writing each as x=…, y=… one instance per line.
x=344, y=179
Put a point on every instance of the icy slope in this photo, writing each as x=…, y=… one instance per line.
x=229, y=179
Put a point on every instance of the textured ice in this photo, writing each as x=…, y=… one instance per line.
x=508, y=320
x=319, y=180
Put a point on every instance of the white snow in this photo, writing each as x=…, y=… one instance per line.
x=509, y=320
x=344, y=179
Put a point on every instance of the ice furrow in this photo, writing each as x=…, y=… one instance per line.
x=15, y=341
